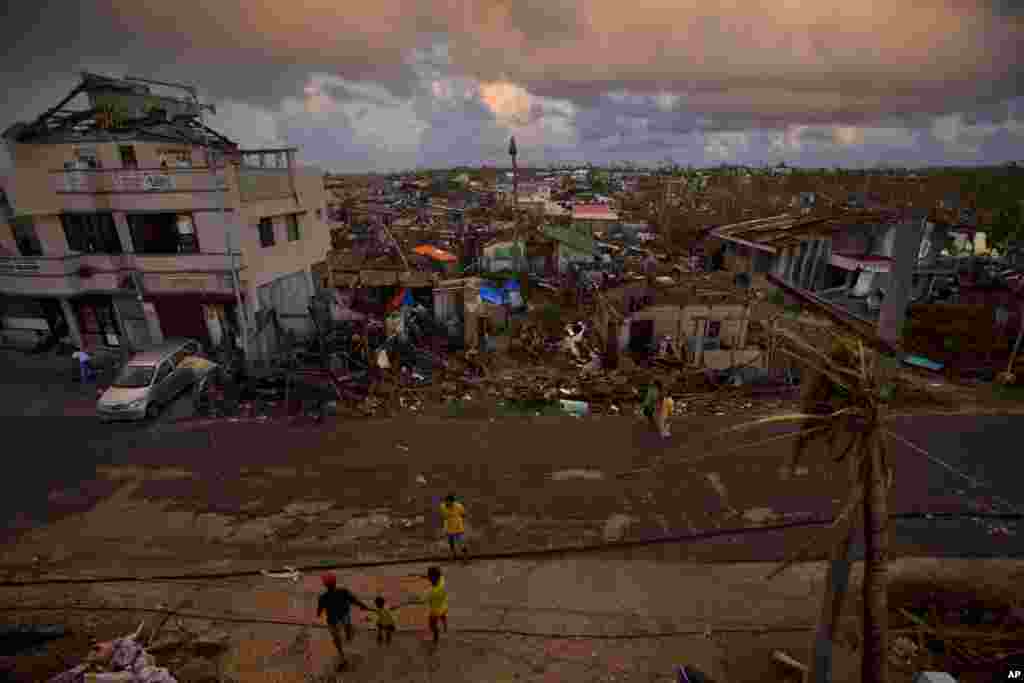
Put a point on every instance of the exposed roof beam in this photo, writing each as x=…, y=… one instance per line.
x=78, y=89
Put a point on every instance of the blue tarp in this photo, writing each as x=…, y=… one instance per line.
x=492, y=295
x=922, y=362
x=511, y=285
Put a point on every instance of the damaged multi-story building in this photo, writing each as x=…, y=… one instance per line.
x=130, y=221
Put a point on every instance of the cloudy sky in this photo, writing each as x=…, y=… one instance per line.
x=389, y=84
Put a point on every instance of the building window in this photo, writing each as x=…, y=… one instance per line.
x=128, y=159
x=6, y=210
x=292, y=221
x=163, y=233
x=266, y=232
x=175, y=158
x=91, y=233
x=85, y=158
x=25, y=236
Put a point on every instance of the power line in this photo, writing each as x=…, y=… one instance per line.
x=495, y=631
x=519, y=554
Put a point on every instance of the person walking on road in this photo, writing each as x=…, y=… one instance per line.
x=651, y=404
x=436, y=600
x=85, y=372
x=665, y=407
x=385, y=617
x=337, y=603
x=454, y=512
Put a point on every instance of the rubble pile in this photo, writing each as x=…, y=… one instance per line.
x=123, y=660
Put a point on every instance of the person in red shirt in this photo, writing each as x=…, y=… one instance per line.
x=337, y=603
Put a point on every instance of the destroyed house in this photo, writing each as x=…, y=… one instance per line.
x=846, y=257
x=572, y=246
x=136, y=222
x=374, y=280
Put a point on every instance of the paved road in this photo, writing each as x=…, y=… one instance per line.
x=528, y=481
x=162, y=497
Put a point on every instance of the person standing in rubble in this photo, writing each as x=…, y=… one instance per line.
x=651, y=404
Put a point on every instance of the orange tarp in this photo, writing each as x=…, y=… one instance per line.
x=434, y=253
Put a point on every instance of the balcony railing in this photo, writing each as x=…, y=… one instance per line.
x=155, y=180
x=157, y=263
x=75, y=264
x=53, y=266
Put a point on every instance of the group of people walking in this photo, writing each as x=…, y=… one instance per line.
x=335, y=603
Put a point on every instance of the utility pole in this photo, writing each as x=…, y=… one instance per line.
x=524, y=277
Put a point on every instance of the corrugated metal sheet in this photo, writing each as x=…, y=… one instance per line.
x=575, y=240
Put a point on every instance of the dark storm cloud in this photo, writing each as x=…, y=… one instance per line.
x=734, y=67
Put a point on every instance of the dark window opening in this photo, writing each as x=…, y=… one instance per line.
x=25, y=236
x=163, y=233
x=96, y=318
x=266, y=232
x=91, y=233
x=6, y=210
x=835, y=277
x=128, y=159
x=292, y=222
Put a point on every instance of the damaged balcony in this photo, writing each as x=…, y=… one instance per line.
x=137, y=189
x=267, y=174
x=169, y=255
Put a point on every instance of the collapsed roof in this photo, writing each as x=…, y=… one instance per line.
x=118, y=109
x=779, y=232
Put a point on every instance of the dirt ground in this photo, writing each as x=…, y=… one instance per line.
x=520, y=621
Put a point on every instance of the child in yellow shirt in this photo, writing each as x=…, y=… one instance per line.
x=436, y=600
x=665, y=408
x=385, y=618
x=453, y=512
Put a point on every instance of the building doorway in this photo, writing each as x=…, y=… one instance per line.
x=641, y=336
x=98, y=321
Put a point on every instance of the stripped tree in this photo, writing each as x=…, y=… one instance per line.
x=850, y=383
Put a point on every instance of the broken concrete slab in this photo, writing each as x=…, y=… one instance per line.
x=308, y=507
x=760, y=515
x=214, y=527
x=615, y=527
x=563, y=475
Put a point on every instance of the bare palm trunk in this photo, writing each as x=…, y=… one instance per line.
x=875, y=660
x=836, y=584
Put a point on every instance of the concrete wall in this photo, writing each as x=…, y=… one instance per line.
x=51, y=235
x=264, y=264
x=733, y=330
x=666, y=319
x=30, y=190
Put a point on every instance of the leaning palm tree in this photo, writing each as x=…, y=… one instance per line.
x=848, y=385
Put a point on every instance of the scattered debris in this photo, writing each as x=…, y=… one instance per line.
x=122, y=660
x=290, y=573
x=563, y=475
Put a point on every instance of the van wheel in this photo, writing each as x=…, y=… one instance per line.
x=152, y=411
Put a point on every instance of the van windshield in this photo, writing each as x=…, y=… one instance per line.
x=134, y=376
